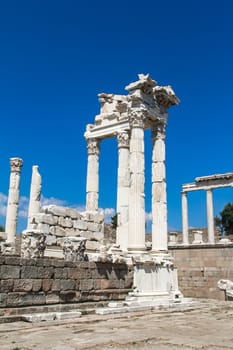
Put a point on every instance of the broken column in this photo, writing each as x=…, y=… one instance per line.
x=185, y=218
x=159, y=195
x=123, y=190
x=35, y=194
x=92, y=189
x=136, y=238
x=13, y=199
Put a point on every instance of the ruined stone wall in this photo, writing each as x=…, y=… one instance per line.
x=45, y=281
x=200, y=268
x=59, y=222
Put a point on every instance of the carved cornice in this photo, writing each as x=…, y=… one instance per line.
x=123, y=139
x=16, y=165
x=165, y=96
x=93, y=146
x=137, y=119
x=158, y=130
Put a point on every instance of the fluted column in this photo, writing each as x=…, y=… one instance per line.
x=92, y=186
x=123, y=183
x=159, y=194
x=184, y=203
x=210, y=216
x=136, y=240
x=35, y=194
x=13, y=199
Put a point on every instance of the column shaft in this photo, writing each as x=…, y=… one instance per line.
x=92, y=186
x=13, y=199
x=35, y=194
x=136, y=240
x=123, y=190
x=210, y=216
x=185, y=217
x=159, y=194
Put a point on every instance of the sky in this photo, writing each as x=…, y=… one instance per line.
x=56, y=56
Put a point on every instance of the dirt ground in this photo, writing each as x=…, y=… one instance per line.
x=208, y=325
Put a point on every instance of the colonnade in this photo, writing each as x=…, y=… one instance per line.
x=130, y=184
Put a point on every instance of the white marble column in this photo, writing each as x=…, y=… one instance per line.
x=35, y=194
x=136, y=239
x=185, y=217
x=13, y=199
x=92, y=186
x=159, y=194
x=210, y=216
x=123, y=183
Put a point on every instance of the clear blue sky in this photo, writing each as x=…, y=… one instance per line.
x=56, y=56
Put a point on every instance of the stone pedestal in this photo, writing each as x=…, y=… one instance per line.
x=173, y=236
x=92, y=189
x=198, y=237
x=74, y=248
x=13, y=200
x=33, y=244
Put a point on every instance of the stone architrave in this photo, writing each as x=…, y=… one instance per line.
x=123, y=190
x=136, y=238
x=74, y=248
x=159, y=195
x=92, y=188
x=35, y=194
x=13, y=199
x=33, y=244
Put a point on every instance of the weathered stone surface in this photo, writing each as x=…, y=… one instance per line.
x=65, y=222
x=8, y=271
x=24, y=285
x=80, y=224
x=57, y=231
x=47, y=219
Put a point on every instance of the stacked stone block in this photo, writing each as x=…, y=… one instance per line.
x=27, y=282
x=58, y=222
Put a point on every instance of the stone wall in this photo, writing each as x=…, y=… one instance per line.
x=45, y=281
x=201, y=267
x=58, y=222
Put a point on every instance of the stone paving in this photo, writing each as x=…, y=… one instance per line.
x=207, y=325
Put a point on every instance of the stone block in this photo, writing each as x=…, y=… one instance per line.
x=56, y=285
x=92, y=245
x=69, y=296
x=28, y=272
x=45, y=272
x=58, y=262
x=25, y=299
x=92, y=226
x=51, y=240
x=65, y=222
x=60, y=273
x=36, y=285
x=6, y=285
x=55, y=210
x=68, y=285
x=74, y=273
x=12, y=260
x=52, y=298
x=3, y=299
x=98, y=218
x=9, y=271
x=68, y=315
x=23, y=285
x=46, y=285
x=57, y=231
x=80, y=224
x=93, y=236
x=43, y=227
x=47, y=219
x=86, y=285
x=39, y=317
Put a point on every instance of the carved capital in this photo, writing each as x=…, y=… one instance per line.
x=16, y=164
x=158, y=131
x=123, y=139
x=93, y=146
x=136, y=119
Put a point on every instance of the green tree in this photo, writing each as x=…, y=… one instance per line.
x=114, y=221
x=2, y=229
x=227, y=218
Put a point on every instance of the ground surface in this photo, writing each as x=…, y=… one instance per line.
x=209, y=325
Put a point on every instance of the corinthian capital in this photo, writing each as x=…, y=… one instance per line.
x=158, y=130
x=123, y=139
x=136, y=119
x=16, y=164
x=93, y=146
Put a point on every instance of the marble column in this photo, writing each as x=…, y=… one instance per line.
x=136, y=238
x=159, y=194
x=92, y=186
x=13, y=199
x=185, y=218
x=210, y=216
x=123, y=183
x=35, y=194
